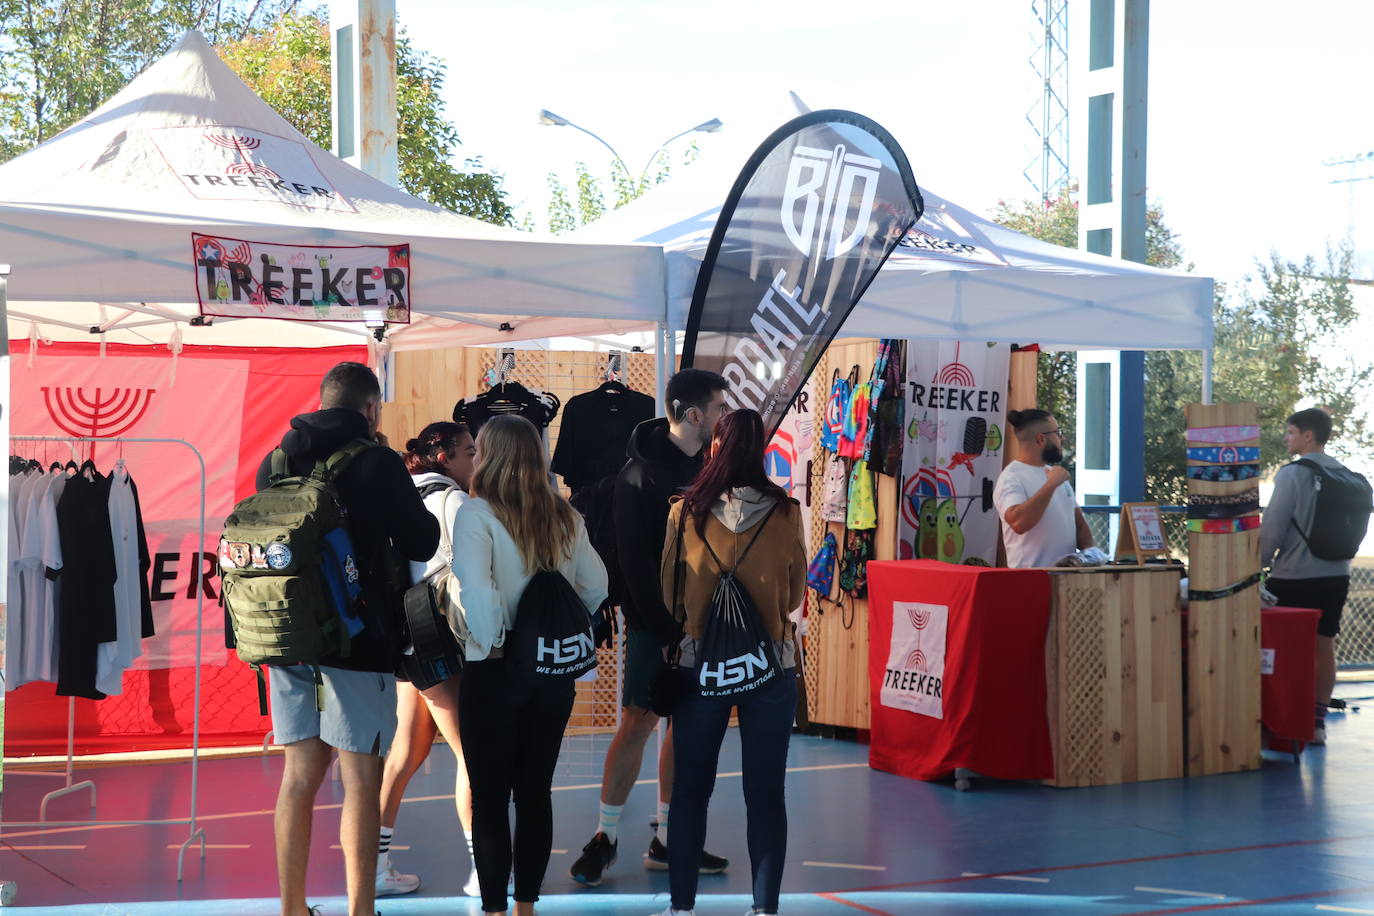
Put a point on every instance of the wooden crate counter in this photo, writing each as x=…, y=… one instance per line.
x=1113, y=668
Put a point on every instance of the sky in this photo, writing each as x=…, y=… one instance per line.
x=1248, y=98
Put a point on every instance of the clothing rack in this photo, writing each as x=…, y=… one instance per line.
x=190, y=820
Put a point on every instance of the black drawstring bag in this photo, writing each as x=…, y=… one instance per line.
x=736, y=655
x=552, y=636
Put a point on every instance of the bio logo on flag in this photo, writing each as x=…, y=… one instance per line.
x=915, y=674
x=819, y=199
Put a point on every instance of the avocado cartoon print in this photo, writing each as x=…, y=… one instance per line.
x=948, y=532
x=928, y=537
x=994, y=443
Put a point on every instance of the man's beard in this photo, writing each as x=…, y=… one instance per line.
x=1052, y=453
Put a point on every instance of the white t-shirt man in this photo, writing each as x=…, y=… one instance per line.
x=1054, y=536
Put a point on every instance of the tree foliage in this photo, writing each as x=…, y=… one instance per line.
x=287, y=64
x=1273, y=337
x=591, y=201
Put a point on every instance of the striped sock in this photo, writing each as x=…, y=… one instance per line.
x=663, y=822
x=384, y=845
x=608, y=821
x=471, y=855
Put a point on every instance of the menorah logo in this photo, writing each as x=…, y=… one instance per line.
x=955, y=373
x=915, y=659
x=242, y=165
x=108, y=413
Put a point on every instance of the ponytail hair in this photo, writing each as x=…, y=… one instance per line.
x=1020, y=419
x=422, y=452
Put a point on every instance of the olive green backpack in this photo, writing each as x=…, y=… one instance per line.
x=272, y=559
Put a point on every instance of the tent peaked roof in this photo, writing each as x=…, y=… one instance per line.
x=955, y=276
x=104, y=211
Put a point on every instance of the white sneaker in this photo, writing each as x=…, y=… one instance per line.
x=473, y=887
x=1319, y=733
x=390, y=882
x=669, y=911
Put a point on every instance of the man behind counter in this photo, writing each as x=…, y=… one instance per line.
x=1041, y=522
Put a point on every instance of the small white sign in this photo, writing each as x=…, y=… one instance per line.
x=915, y=674
x=1266, y=661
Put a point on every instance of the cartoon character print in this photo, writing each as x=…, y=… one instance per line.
x=948, y=532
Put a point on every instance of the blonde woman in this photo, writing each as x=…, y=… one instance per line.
x=512, y=725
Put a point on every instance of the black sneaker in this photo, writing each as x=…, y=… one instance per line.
x=656, y=859
x=597, y=856
x=1336, y=704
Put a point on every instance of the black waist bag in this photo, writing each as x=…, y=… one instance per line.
x=552, y=636
x=735, y=656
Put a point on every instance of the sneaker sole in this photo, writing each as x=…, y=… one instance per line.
x=582, y=879
x=655, y=864
x=396, y=891
x=715, y=870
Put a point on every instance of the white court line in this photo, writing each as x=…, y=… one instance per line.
x=213, y=845
x=1341, y=909
x=1026, y=878
x=401, y=848
x=1173, y=892
x=43, y=848
x=844, y=865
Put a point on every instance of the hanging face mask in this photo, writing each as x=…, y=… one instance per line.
x=820, y=574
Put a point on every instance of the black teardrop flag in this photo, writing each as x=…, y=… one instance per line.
x=813, y=215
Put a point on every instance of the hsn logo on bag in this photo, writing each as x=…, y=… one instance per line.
x=570, y=651
x=821, y=197
x=735, y=675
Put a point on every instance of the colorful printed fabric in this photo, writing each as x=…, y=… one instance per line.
x=1223, y=525
x=1225, y=454
x=832, y=422
x=1224, y=499
x=1223, y=435
x=1223, y=510
x=1223, y=473
x=820, y=573
x=854, y=438
x=858, y=550
x=834, y=491
x=863, y=512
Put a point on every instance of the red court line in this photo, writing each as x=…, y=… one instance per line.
x=1239, y=903
x=857, y=906
x=1159, y=858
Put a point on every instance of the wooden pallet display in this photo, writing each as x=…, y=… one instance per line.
x=837, y=641
x=430, y=382
x=1112, y=675
x=1223, y=636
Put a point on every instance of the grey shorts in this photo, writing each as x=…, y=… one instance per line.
x=359, y=712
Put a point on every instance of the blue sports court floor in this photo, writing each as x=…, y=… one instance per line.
x=1290, y=838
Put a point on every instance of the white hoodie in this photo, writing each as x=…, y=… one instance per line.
x=436, y=503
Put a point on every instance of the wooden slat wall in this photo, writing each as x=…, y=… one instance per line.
x=1223, y=668
x=1113, y=671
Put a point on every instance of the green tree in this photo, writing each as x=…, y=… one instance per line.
x=591, y=201
x=1270, y=338
x=60, y=59
x=287, y=64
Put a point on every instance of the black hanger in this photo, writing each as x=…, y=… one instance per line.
x=71, y=466
x=613, y=386
x=55, y=466
x=89, y=465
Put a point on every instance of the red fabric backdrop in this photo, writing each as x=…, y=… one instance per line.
x=967, y=676
x=262, y=389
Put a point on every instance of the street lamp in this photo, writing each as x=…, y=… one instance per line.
x=549, y=119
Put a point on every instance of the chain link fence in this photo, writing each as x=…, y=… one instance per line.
x=1355, y=645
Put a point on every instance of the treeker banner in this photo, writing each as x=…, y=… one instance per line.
x=815, y=212
x=236, y=278
x=956, y=416
x=787, y=461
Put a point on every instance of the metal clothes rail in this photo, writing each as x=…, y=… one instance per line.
x=190, y=820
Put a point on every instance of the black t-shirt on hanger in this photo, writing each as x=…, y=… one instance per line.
x=595, y=430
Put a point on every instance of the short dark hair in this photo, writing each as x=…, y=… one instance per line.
x=422, y=452
x=1313, y=420
x=350, y=385
x=692, y=388
x=1023, y=420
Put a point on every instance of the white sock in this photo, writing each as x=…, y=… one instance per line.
x=471, y=856
x=608, y=821
x=384, y=846
x=663, y=822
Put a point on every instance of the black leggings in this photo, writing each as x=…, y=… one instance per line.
x=512, y=729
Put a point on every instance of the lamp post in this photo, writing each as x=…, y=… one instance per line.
x=549, y=119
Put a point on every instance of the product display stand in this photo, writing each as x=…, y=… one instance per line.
x=1223, y=635
x=190, y=820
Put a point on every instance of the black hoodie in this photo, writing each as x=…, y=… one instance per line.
x=656, y=470
x=385, y=514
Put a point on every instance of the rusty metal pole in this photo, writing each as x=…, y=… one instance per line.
x=363, y=75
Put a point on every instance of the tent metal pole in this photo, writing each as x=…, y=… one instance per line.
x=1207, y=376
x=661, y=363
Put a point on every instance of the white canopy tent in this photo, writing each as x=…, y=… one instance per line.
x=96, y=224
x=956, y=276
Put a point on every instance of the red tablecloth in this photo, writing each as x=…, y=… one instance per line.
x=1288, y=640
x=962, y=683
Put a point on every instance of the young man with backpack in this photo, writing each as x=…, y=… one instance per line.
x=1313, y=526
x=664, y=457
x=388, y=524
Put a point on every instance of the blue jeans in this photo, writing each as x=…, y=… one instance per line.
x=765, y=729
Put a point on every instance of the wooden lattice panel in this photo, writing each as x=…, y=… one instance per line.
x=1083, y=686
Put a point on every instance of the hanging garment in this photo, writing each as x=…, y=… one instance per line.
x=858, y=550
x=86, y=606
x=832, y=419
x=538, y=407
x=595, y=430
x=855, y=438
x=820, y=572
x=863, y=512
x=889, y=412
x=132, y=604
x=848, y=419
x=834, y=490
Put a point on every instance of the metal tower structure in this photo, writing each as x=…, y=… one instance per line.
x=1353, y=162
x=1048, y=172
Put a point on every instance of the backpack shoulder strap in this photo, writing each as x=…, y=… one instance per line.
x=1318, y=474
x=757, y=531
x=331, y=467
x=279, y=467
